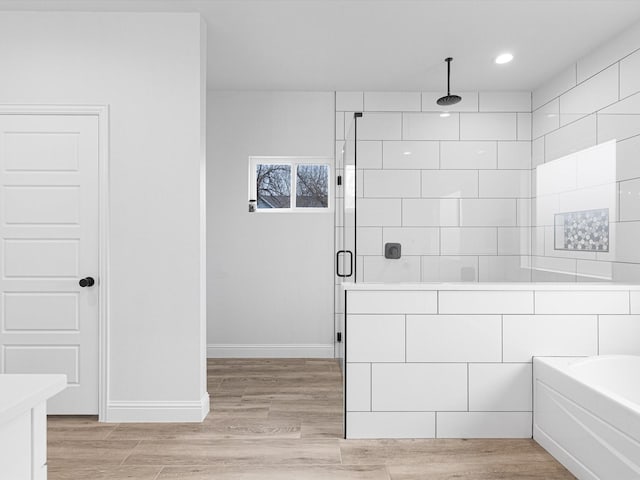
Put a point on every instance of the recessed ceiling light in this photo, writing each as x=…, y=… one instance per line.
x=406, y=153
x=445, y=114
x=504, y=58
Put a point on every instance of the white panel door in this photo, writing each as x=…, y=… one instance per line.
x=48, y=243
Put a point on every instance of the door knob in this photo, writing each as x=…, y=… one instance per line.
x=87, y=282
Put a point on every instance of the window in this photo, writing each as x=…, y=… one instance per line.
x=289, y=184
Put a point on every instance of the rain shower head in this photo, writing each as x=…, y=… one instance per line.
x=448, y=99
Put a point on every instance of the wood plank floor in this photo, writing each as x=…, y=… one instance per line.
x=277, y=419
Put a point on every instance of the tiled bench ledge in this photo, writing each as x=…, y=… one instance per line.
x=454, y=360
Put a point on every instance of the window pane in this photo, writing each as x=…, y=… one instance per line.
x=273, y=185
x=312, y=188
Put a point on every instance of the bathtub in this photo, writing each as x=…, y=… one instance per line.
x=587, y=414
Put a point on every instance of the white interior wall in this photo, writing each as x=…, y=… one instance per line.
x=153, y=84
x=269, y=274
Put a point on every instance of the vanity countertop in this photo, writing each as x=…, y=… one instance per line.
x=21, y=392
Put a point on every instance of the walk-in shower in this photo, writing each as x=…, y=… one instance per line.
x=456, y=210
x=463, y=252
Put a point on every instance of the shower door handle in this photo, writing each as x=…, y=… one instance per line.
x=344, y=275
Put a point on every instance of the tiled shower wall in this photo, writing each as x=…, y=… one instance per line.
x=595, y=100
x=453, y=190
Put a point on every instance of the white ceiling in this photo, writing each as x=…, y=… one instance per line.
x=384, y=44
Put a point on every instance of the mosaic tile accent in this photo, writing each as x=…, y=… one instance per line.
x=586, y=230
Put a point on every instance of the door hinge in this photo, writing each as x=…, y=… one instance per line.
x=339, y=179
x=339, y=337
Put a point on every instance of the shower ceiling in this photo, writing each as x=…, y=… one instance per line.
x=384, y=44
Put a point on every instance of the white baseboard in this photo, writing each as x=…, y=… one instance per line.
x=158, y=411
x=305, y=350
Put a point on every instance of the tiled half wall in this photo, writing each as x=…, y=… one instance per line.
x=458, y=363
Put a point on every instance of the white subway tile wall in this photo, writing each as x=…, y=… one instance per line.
x=629, y=74
x=391, y=184
x=561, y=83
x=546, y=118
x=594, y=100
x=430, y=212
x=430, y=126
x=474, y=167
x=376, y=338
x=481, y=302
x=392, y=101
x=409, y=154
x=500, y=387
x=590, y=96
x=484, y=424
x=440, y=185
x=414, y=240
x=458, y=241
x=377, y=270
x=454, y=338
x=379, y=126
x=450, y=363
x=488, y=126
x=526, y=336
x=369, y=154
x=391, y=424
x=359, y=387
x=450, y=183
x=432, y=387
x=619, y=334
x=505, y=101
x=524, y=126
x=514, y=155
x=468, y=155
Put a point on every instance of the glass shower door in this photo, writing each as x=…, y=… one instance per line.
x=349, y=154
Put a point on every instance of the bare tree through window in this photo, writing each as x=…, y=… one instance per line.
x=312, y=186
x=273, y=182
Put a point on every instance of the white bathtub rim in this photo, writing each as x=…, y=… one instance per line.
x=565, y=365
x=626, y=415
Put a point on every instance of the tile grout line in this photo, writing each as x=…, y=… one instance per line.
x=405, y=336
x=502, y=338
x=468, y=393
x=371, y=387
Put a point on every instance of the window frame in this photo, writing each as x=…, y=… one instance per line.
x=293, y=162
